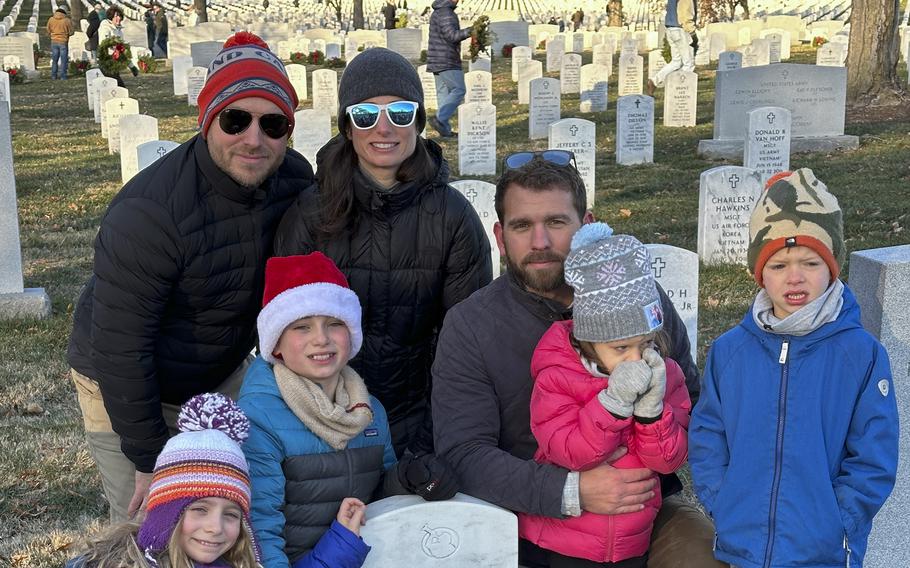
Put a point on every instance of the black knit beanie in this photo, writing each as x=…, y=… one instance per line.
x=379, y=72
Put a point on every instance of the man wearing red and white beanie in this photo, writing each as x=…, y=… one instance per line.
x=170, y=309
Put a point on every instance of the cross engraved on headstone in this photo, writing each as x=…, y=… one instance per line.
x=770, y=118
x=574, y=130
x=637, y=102
x=472, y=193
x=657, y=265
x=122, y=105
x=734, y=179
x=161, y=151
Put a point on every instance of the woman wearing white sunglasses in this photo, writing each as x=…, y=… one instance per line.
x=410, y=245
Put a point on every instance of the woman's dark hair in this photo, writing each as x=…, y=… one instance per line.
x=336, y=187
x=113, y=11
x=586, y=348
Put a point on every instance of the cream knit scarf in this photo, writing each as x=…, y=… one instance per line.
x=335, y=422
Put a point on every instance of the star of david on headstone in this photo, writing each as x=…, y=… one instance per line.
x=574, y=130
x=657, y=266
x=734, y=180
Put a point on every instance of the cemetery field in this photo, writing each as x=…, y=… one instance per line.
x=49, y=489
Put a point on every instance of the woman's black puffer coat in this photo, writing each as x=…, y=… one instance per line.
x=409, y=254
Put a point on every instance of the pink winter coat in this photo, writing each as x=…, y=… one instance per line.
x=575, y=431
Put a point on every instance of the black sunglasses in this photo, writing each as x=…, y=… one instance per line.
x=557, y=157
x=234, y=121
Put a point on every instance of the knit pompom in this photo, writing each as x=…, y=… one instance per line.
x=591, y=233
x=214, y=411
x=245, y=38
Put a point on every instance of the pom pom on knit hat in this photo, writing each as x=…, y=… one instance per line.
x=590, y=233
x=796, y=209
x=245, y=68
x=203, y=460
x=301, y=286
x=615, y=294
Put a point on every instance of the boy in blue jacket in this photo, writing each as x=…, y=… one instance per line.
x=793, y=443
x=319, y=442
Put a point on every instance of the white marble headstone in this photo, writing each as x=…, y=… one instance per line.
x=603, y=55
x=297, y=77
x=115, y=109
x=520, y=55
x=634, y=129
x=312, y=129
x=531, y=70
x=195, y=80
x=479, y=87
x=325, y=91
x=631, y=74
x=98, y=85
x=104, y=95
x=656, y=62
x=680, y=98
x=726, y=196
x=428, y=81
x=676, y=270
x=729, y=60
x=569, y=74
x=594, y=88
x=767, y=144
x=134, y=130
x=5, y=95
x=482, y=195
x=148, y=152
x=91, y=75
x=179, y=66
x=578, y=136
x=555, y=50
x=878, y=279
x=477, y=139
x=544, y=106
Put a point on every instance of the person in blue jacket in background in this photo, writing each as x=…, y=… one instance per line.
x=793, y=443
x=319, y=442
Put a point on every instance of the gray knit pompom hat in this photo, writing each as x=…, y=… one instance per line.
x=378, y=72
x=615, y=294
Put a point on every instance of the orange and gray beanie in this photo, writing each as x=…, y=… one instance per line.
x=796, y=209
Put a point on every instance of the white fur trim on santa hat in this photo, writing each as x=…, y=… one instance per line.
x=318, y=299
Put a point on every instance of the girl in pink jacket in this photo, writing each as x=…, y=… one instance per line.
x=600, y=384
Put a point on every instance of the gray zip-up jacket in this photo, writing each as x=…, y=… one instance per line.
x=482, y=395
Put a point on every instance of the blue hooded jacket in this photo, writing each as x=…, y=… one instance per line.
x=794, y=441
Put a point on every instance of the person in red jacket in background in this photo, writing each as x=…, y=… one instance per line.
x=603, y=392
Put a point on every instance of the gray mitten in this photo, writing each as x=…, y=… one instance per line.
x=627, y=381
x=651, y=404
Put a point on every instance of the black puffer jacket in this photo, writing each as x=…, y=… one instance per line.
x=170, y=310
x=444, y=45
x=410, y=254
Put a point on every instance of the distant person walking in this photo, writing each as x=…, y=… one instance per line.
x=680, y=24
x=388, y=12
x=94, y=22
x=444, y=61
x=160, y=49
x=60, y=28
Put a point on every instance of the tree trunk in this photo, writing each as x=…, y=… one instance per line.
x=745, y=5
x=358, y=15
x=76, y=12
x=872, y=54
x=615, y=7
x=202, y=14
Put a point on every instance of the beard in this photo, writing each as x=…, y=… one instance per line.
x=540, y=281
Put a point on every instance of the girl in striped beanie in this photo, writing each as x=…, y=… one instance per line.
x=199, y=500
